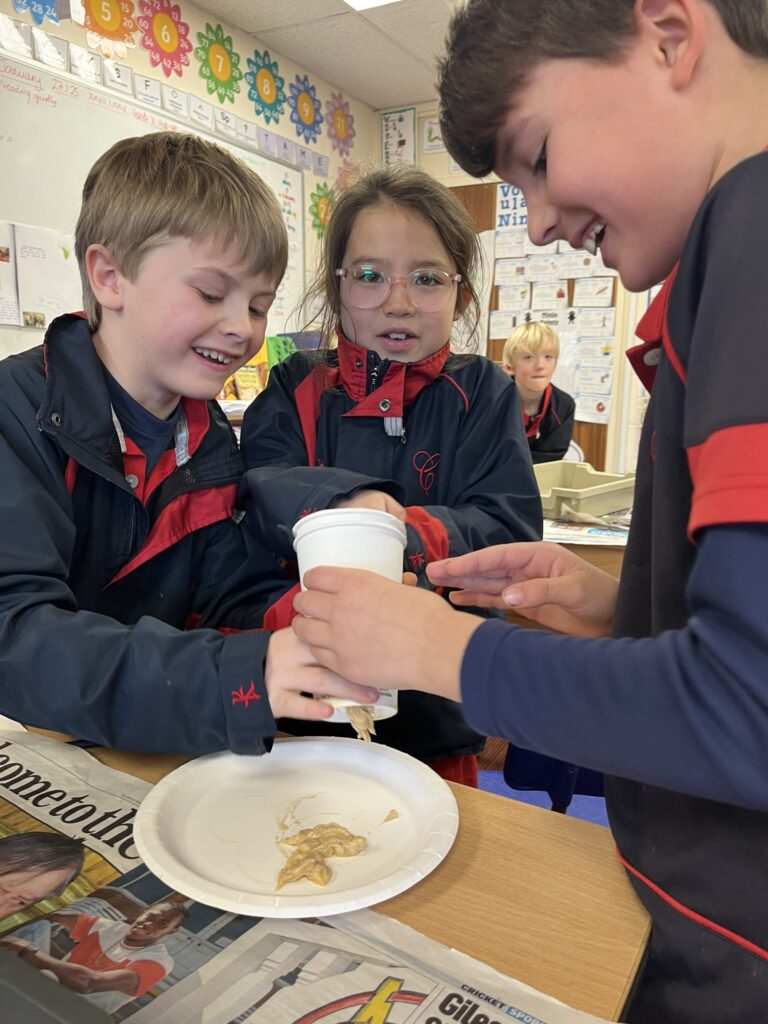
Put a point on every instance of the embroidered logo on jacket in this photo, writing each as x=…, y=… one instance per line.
x=417, y=561
x=241, y=697
x=426, y=466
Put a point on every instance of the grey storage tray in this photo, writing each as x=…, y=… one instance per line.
x=582, y=488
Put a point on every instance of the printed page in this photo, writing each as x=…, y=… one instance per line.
x=9, y=293
x=48, y=277
x=101, y=912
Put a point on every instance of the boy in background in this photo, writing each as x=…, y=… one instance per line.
x=637, y=127
x=120, y=550
x=530, y=358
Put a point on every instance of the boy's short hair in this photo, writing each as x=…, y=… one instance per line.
x=145, y=191
x=493, y=45
x=528, y=339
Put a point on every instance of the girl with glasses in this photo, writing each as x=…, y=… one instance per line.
x=390, y=419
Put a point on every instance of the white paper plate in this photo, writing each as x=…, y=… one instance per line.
x=210, y=828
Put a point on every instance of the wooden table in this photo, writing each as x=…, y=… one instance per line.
x=601, y=556
x=537, y=895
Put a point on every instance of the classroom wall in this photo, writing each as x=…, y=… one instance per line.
x=364, y=151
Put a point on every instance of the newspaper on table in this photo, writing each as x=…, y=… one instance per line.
x=148, y=953
x=604, y=531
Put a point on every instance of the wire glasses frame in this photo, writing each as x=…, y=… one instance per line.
x=369, y=288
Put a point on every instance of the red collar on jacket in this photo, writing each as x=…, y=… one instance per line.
x=652, y=330
x=400, y=385
x=533, y=423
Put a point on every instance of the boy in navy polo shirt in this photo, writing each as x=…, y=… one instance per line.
x=636, y=127
x=121, y=554
x=529, y=359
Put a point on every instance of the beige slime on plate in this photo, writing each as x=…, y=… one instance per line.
x=313, y=846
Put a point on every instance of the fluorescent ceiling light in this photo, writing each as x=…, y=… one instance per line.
x=363, y=5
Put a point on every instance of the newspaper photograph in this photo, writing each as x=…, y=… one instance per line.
x=77, y=904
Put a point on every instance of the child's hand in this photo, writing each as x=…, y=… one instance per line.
x=539, y=580
x=372, y=499
x=292, y=670
x=373, y=630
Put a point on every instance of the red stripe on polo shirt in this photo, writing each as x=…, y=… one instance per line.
x=692, y=915
x=186, y=514
x=730, y=477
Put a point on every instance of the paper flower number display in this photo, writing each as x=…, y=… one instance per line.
x=219, y=64
x=109, y=26
x=320, y=207
x=266, y=88
x=39, y=9
x=164, y=35
x=305, y=109
x=340, y=123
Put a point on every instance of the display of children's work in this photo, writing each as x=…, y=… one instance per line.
x=37, y=273
x=398, y=137
x=39, y=278
x=570, y=290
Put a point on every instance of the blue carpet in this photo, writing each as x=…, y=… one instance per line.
x=588, y=808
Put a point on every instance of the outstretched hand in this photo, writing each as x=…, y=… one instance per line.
x=539, y=580
x=292, y=671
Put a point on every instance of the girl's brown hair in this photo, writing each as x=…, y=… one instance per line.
x=407, y=189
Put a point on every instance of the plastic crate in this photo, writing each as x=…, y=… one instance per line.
x=582, y=488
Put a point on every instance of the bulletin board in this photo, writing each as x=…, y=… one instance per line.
x=53, y=126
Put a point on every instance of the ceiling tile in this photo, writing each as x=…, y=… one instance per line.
x=352, y=54
x=256, y=15
x=385, y=56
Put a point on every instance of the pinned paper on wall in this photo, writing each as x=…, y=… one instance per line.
x=549, y=294
x=432, y=140
x=510, y=242
x=9, y=293
x=398, y=137
x=511, y=208
x=39, y=277
x=593, y=291
x=510, y=271
x=219, y=64
x=513, y=298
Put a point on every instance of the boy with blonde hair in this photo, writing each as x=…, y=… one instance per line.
x=530, y=358
x=637, y=127
x=120, y=548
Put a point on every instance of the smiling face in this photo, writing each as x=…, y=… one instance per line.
x=154, y=924
x=190, y=318
x=396, y=241
x=597, y=170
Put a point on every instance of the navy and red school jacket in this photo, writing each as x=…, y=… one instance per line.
x=676, y=708
x=443, y=436
x=103, y=572
x=549, y=431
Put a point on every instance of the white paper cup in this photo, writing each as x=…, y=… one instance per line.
x=354, y=538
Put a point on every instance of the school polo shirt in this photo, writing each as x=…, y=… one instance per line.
x=682, y=710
